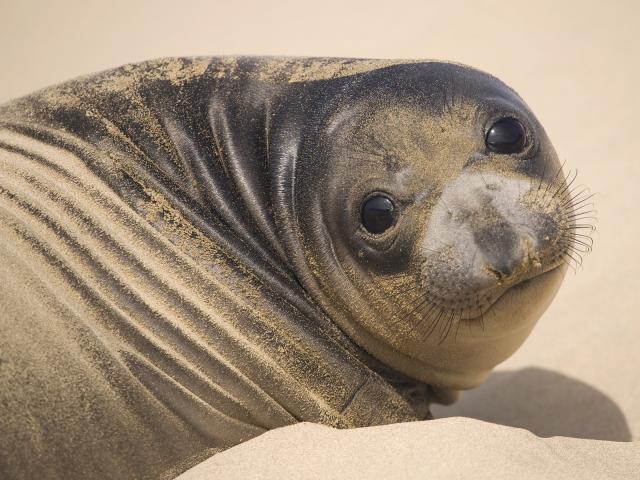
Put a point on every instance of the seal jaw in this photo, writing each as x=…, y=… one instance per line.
x=465, y=360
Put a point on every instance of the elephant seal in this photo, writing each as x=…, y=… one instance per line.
x=197, y=250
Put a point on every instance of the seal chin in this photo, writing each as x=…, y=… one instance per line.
x=489, y=339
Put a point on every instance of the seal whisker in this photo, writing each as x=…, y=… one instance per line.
x=567, y=185
x=581, y=242
x=458, y=323
x=452, y=323
x=581, y=212
x=553, y=182
x=425, y=299
x=432, y=306
x=574, y=202
x=584, y=226
x=568, y=263
x=569, y=251
x=446, y=318
x=415, y=304
x=574, y=188
x=577, y=191
x=586, y=238
x=582, y=250
x=434, y=309
x=582, y=216
x=581, y=209
x=569, y=201
x=435, y=323
x=544, y=172
x=581, y=196
x=446, y=328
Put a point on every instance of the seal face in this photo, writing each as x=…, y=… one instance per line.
x=195, y=251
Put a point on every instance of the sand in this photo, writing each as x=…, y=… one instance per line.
x=450, y=448
x=576, y=64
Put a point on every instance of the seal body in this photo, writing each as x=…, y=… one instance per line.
x=183, y=264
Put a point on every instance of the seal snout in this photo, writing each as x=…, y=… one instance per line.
x=482, y=239
x=499, y=243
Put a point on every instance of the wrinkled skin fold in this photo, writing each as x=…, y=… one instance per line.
x=183, y=265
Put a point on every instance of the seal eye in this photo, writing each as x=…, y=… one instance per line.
x=377, y=214
x=506, y=136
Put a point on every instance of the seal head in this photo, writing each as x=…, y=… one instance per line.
x=429, y=216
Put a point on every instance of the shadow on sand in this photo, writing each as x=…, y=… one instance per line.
x=543, y=402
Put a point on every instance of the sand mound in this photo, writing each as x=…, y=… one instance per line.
x=446, y=448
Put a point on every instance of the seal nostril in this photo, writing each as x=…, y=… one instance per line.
x=500, y=276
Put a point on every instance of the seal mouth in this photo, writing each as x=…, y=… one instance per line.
x=516, y=286
x=475, y=306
